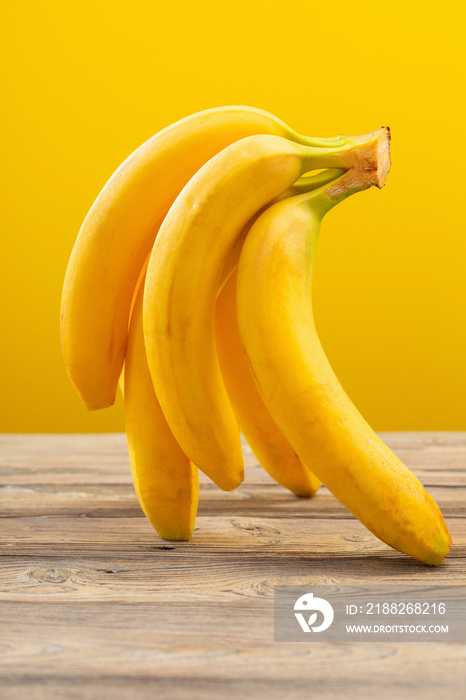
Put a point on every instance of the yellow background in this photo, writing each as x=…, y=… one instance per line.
x=85, y=83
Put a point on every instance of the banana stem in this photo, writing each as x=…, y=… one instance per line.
x=368, y=157
x=309, y=183
x=370, y=166
x=330, y=142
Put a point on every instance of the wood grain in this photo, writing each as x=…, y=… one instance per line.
x=93, y=604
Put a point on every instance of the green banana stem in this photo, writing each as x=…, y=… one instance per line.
x=330, y=142
x=308, y=183
x=340, y=141
x=359, y=154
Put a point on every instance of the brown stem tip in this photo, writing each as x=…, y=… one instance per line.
x=383, y=161
x=370, y=160
x=368, y=163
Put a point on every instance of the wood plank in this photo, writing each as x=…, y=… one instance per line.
x=60, y=458
x=146, y=686
x=260, y=500
x=165, y=576
x=103, y=458
x=245, y=536
x=198, y=631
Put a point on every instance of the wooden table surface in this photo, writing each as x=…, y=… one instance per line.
x=94, y=604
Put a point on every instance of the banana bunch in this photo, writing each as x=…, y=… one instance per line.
x=193, y=270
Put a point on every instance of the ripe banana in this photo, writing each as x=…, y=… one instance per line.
x=183, y=278
x=166, y=483
x=299, y=387
x=119, y=230
x=254, y=420
x=268, y=444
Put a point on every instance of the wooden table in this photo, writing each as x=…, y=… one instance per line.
x=95, y=605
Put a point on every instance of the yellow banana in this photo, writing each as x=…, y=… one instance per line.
x=166, y=483
x=183, y=277
x=299, y=387
x=255, y=422
x=118, y=233
x=140, y=281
